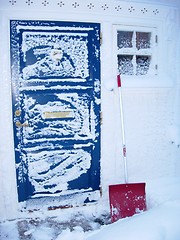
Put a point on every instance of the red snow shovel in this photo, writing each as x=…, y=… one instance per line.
x=125, y=199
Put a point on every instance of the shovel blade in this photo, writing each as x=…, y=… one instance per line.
x=126, y=200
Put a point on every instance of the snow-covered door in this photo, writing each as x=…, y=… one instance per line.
x=55, y=69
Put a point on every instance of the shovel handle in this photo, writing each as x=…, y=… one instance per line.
x=124, y=150
x=118, y=80
x=122, y=128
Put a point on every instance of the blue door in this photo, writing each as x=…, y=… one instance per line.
x=55, y=69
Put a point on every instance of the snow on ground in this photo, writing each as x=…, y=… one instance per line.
x=159, y=222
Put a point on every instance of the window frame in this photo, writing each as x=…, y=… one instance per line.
x=152, y=52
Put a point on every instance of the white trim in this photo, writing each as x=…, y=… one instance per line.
x=109, y=8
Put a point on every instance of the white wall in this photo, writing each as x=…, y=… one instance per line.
x=151, y=106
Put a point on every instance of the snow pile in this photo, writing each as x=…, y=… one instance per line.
x=77, y=234
x=159, y=223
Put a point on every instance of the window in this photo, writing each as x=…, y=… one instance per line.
x=136, y=51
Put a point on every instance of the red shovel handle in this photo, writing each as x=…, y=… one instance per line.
x=119, y=80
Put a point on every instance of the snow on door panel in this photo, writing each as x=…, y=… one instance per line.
x=56, y=107
x=51, y=115
x=52, y=54
x=51, y=171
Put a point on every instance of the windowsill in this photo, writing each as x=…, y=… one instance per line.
x=147, y=81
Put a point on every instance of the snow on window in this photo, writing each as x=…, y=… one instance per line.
x=143, y=40
x=142, y=64
x=124, y=39
x=125, y=65
x=134, y=51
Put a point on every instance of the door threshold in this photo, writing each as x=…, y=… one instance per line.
x=61, y=202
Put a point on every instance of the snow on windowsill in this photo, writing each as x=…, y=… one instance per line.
x=151, y=81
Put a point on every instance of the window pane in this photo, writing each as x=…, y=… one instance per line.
x=143, y=40
x=142, y=64
x=125, y=65
x=124, y=39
